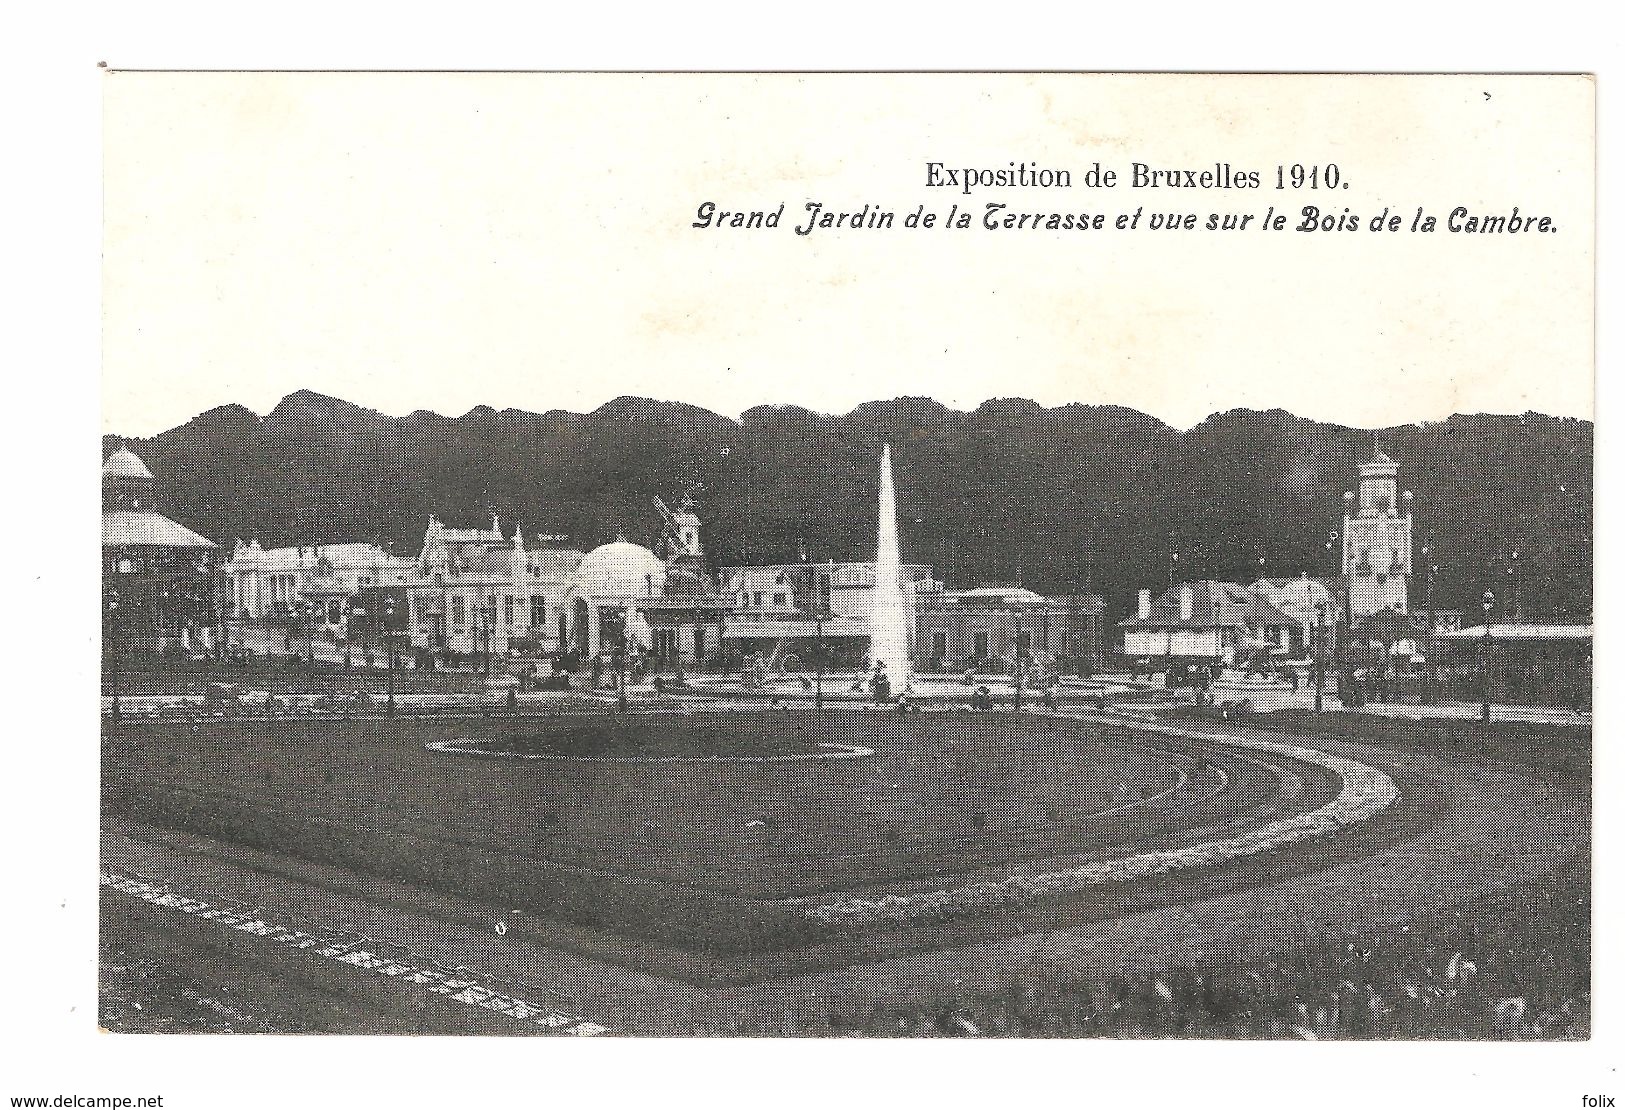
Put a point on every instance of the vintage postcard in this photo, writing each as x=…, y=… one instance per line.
x=847, y=555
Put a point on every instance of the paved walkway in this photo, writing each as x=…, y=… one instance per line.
x=363, y=954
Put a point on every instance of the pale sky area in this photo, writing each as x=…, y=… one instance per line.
x=445, y=241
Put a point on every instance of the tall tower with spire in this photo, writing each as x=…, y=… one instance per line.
x=1377, y=539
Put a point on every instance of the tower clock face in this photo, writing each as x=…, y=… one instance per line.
x=1382, y=543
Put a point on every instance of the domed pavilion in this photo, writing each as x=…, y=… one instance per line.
x=610, y=587
x=158, y=577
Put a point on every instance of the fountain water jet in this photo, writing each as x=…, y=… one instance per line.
x=888, y=615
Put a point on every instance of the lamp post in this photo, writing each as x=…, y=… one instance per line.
x=218, y=585
x=1320, y=659
x=386, y=628
x=820, y=611
x=487, y=627
x=480, y=620
x=817, y=602
x=356, y=611
x=1333, y=539
x=818, y=657
x=160, y=616
x=1484, y=663
x=1021, y=667
x=620, y=661
x=1428, y=660
x=113, y=622
x=1512, y=586
x=1168, y=656
x=192, y=610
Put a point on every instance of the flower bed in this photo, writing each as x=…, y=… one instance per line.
x=1365, y=792
x=529, y=749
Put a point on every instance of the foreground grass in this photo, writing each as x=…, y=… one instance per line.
x=695, y=853
x=1565, y=749
x=1513, y=965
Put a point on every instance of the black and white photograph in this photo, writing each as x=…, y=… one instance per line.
x=833, y=740
x=1095, y=560
x=1020, y=720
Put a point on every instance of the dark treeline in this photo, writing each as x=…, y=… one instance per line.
x=1065, y=499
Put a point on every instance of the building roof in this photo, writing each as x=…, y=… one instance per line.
x=1010, y=594
x=353, y=554
x=473, y=535
x=346, y=556
x=555, y=563
x=137, y=528
x=1303, y=597
x=1213, y=605
x=1522, y=632
x=484, y=562
x=1327, y=584
x=984, y=598
x=620, y=569
x=669, y=602
x=735, y=628
x=1379, y=457
x=842, y=575
x=125, y=463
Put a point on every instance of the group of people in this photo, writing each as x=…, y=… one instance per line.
x=1048, y=696
x=1357, y=686
x=878, y=684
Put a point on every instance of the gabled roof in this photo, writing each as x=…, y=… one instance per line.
x=1213, y=605
x=473, y=535
x=794, y=627
x=1379, y=457
x=357, y=554
x=483, y=562
x=1327, y=584
x=555, y=561
x=1302, y=595
x=135, y=528
x=347, y=556
x=1003, y=593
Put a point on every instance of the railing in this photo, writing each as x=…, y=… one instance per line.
x=145, y=674
x=1554, y=687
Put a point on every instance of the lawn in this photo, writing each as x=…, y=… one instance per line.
x=697, y=852
x=1560, y=748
